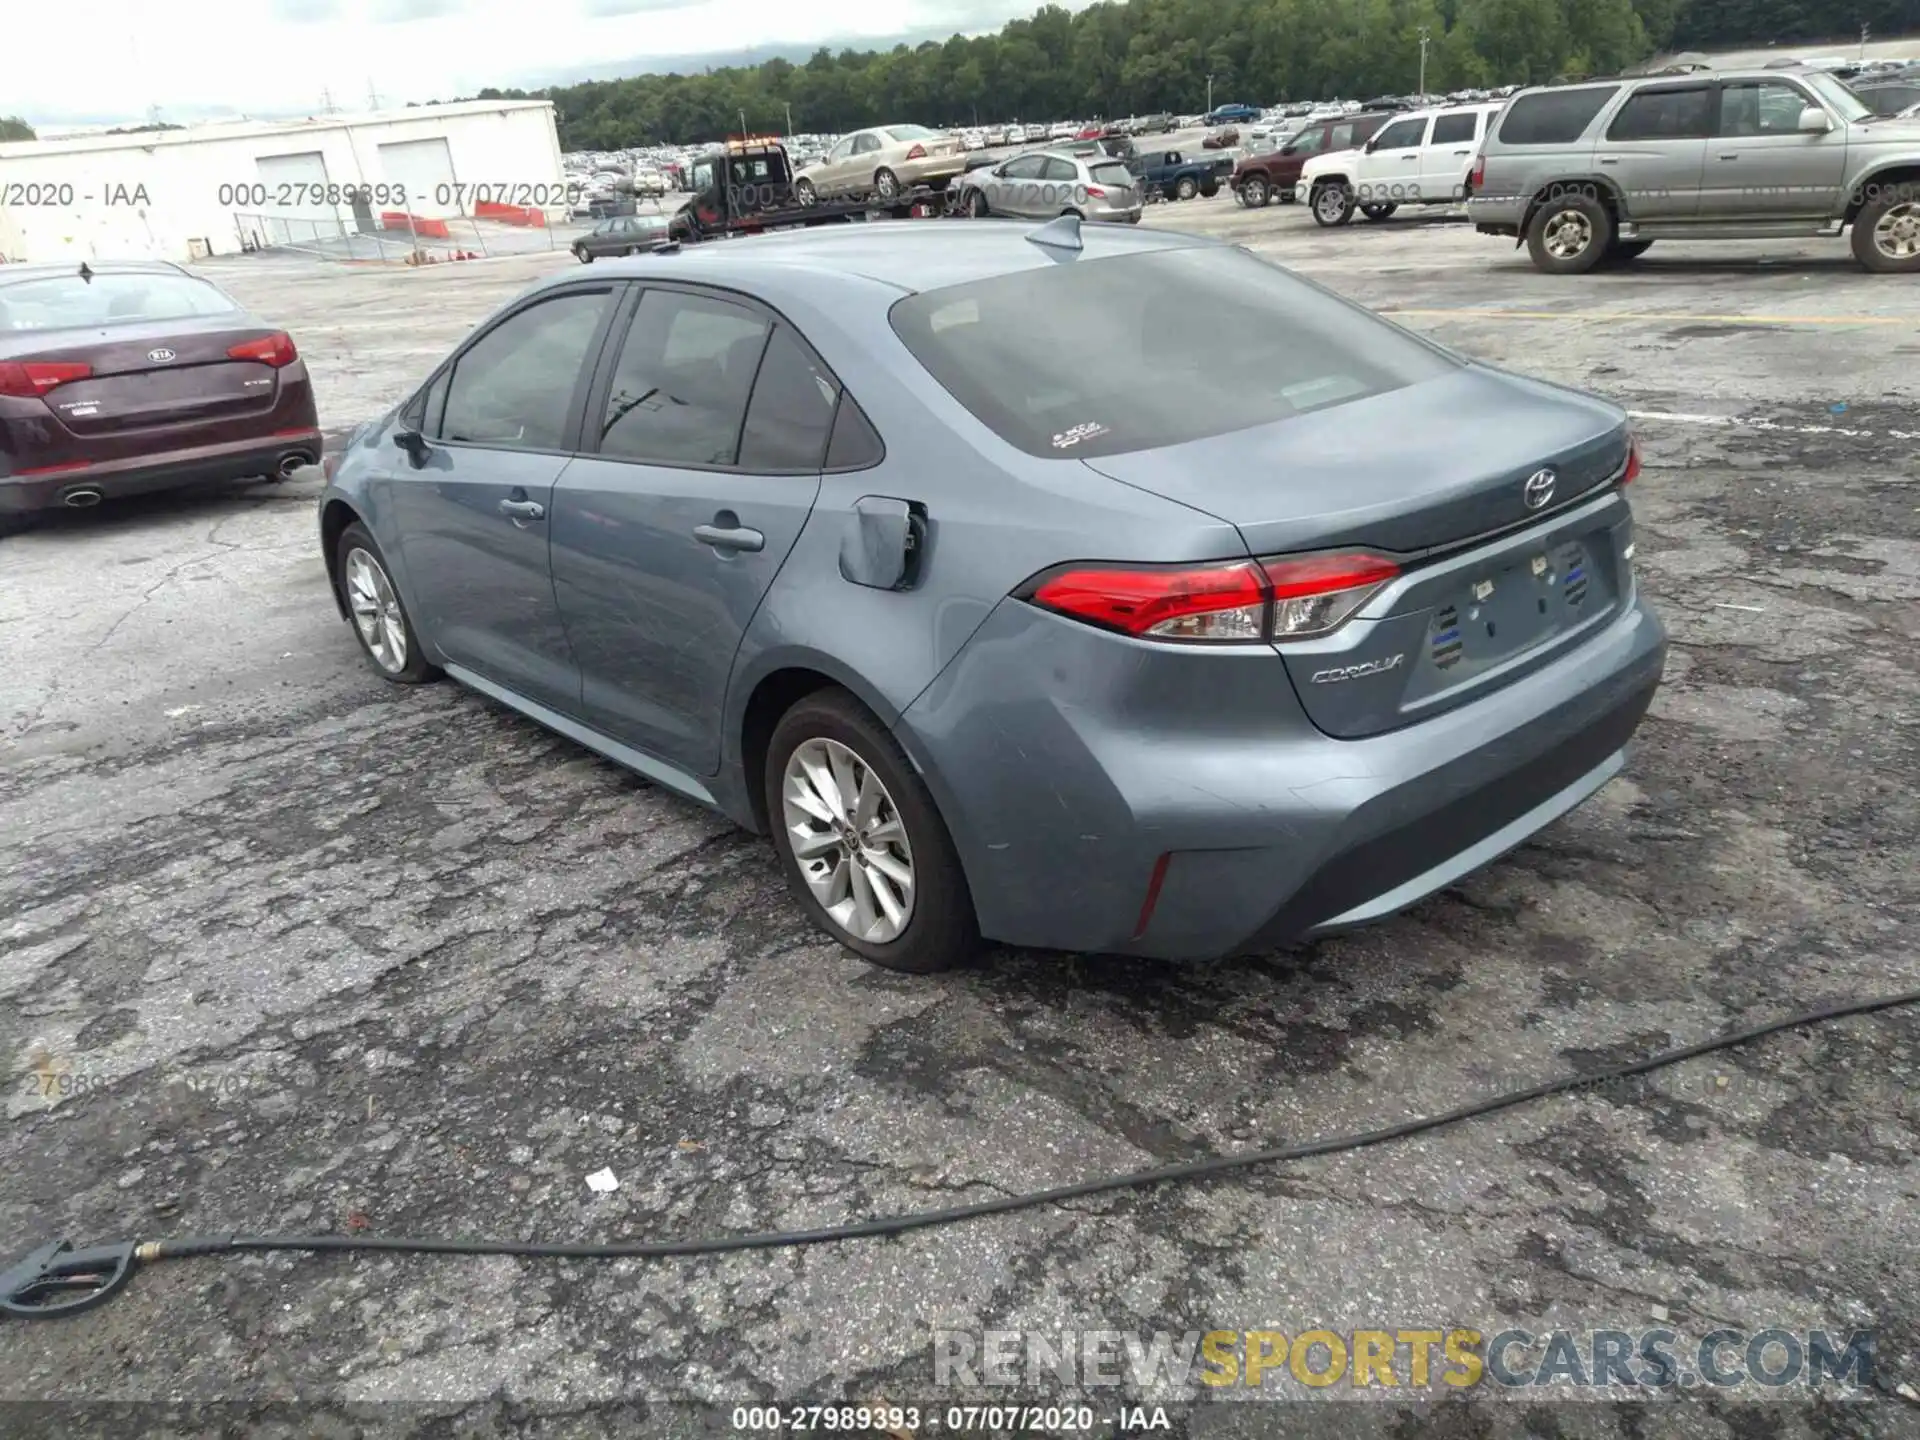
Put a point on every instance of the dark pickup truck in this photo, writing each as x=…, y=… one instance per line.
x=746, y=186
x=1171, y=175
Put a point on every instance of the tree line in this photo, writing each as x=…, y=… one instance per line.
x=1130, y=57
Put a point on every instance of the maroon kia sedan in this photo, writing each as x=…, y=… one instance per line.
x=119, y=379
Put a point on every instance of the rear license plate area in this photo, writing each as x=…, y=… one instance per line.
x=1503, y=611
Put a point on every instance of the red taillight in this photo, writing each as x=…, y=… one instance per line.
x=1478, y=175
x=1096, y=193
x=1240, y=601
x=918, y=152
x=1316, y=594
x=30, y=379
x=275, y=350
x=1632, y=472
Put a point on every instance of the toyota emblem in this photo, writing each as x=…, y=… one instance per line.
x=1539, y=489
x=160, y=357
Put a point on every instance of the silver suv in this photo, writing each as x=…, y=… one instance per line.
x=1042, y=184
x=1593, y=172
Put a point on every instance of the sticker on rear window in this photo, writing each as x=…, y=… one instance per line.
x=1066, y=439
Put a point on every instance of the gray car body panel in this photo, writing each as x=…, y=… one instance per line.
x=1066, y=760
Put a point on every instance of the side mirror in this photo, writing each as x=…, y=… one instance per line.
x=1814, y=121
x=1371, y=146
x=414, y=443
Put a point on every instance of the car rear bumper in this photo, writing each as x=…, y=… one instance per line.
x=167, y=470
x=937, y=170
x=1496, y=214
x=1123, y=820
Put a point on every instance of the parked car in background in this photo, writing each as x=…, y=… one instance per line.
x=1042, y=185
x=125, y=378
x=1259, y=179
x=1220, y=139
x=622, y=235
x=1173, y=175
x=1584, y=174
x=1888, y=97
x=1422, y=158
x=1385, y=590
x=882, y=161
x=1232, y=114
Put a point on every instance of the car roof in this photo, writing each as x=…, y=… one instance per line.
x=44, y=270
x=905, y=255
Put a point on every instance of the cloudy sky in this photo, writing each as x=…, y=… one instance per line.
x=113, y=59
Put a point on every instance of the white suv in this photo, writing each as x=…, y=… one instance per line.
x=1421, y=158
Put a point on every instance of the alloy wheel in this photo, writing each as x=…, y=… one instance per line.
x=376, y=611
x=1330, y=202
x=1897, y=233
x=1568, y=235
x=848, y=840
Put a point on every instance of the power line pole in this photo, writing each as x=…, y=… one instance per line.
x=373, y=95
x=1209, y=94
x=1425, y=35
x=326, y=101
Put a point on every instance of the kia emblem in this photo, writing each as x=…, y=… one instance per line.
x=160, y=357
x=1538, y=490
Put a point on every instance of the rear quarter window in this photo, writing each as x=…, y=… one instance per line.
x=1554, y=117
x=1135, y=352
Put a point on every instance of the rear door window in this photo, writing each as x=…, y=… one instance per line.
x=1455, y=129
x=791, y=412
x=1058, y=169
x=680, y=388
x=1665, y=114
x=1554, y=117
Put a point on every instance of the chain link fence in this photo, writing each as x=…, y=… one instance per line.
x=399, y=237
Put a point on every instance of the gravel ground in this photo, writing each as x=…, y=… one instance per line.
x=285, y=949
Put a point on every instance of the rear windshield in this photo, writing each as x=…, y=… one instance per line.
x=910, y=132
x=1553, y=117
x=1102, y=357
x=62, y=302
x=1111, y=172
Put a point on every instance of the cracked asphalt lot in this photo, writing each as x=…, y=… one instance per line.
x=285, y=949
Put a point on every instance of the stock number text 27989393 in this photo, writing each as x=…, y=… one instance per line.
x=448, y=194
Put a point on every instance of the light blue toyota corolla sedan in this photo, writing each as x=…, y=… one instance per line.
x=953, y=558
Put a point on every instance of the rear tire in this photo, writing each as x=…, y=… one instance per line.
x=834, y=733
x=1625, y=251
x=1333, y=203
x=1886, y=232
x=1379, y=212
x=886, y=184
x=18, y=522
x=1570, y=234
x=378, y=613
x=1185, y=188
x=804, y=193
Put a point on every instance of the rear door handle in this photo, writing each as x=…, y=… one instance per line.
x=523, y=509
x=1730, y=157
x=726, y=538
x=1609, y=159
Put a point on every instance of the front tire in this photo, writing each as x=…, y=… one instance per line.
x=886, y=185
x=977, y=205
x=583, y=255
x=1570, y=234
x=865, y=851
x=804, y=193
x=1256, y=193
x=380, y=618
x=1333, y=203
x=1886, y=232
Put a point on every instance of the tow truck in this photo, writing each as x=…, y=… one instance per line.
x=745, y=187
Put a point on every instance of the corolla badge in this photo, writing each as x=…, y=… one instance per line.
x=1354, y=672
x=161, y=356
x=1539, y=488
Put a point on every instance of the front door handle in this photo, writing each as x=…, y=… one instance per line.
x=523, y=509
x=1609, y=159
x=724, y=537
x=1729, y=157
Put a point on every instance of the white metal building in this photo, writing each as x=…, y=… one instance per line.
x=178, y=194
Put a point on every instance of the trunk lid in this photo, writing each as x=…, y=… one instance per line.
x=1407, y=471
x=1433, y=475
x=166, y=374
